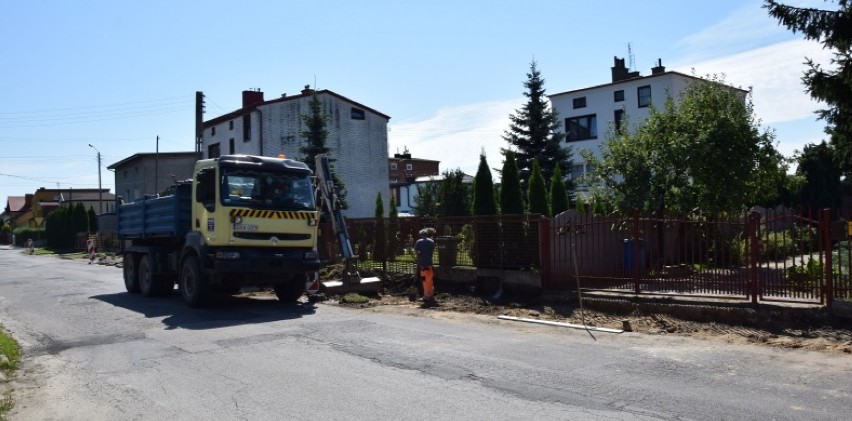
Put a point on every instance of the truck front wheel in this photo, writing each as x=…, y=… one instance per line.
x=291, y=291
x=193, y=286
x=131, y=280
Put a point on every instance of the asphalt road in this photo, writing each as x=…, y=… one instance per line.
x=93, y=352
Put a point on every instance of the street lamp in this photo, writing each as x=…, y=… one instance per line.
x=100, y=189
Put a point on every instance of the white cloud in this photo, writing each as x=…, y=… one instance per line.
x=457, y=135
x=774, y=72
x=745, y=28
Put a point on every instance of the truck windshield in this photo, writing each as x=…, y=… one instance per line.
x=266, y=190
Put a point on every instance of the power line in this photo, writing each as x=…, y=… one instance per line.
x=39, y=180
x=185, y=98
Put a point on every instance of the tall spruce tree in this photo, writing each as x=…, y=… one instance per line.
x=534, y=132
x=537, y=194
x=558, y=194
x=511, y=195
x=484, y=202
x=315, y=137
x=833, y=29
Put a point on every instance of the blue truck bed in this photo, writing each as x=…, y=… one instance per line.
x=151, y=216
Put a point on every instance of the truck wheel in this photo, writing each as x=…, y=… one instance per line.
x=193, y=286
x=148, y=283
x=291, y=291
x=131, y=280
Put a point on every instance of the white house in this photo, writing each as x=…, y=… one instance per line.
x=357, y=136
x=589, y=113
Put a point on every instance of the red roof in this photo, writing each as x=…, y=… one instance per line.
x=17, y=203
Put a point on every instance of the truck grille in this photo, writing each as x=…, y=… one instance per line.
x=267, y=236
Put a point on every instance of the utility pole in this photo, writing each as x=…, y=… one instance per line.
x=199, y=120
x=157, y=167
x=100, y=189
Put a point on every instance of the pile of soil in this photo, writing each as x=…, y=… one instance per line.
x=806, y=328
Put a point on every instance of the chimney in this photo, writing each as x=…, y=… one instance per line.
x=307, y=90
x=252, y=98
x=619, y=71
x=659, y=69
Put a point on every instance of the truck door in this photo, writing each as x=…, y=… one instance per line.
x=205, y=204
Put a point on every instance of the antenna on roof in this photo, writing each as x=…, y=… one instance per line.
x=631, y=61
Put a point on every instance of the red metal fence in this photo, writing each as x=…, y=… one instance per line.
x=772, y=255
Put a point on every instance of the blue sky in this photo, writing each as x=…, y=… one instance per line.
x=118, y=74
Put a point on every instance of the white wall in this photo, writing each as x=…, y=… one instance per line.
x=360, y=146
x=600, y=101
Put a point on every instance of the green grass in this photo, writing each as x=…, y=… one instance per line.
x=353, y=298
x=12, y=352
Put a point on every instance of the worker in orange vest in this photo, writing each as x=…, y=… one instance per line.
x=424, y=247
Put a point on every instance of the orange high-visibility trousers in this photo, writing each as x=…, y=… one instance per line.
x=426, y=276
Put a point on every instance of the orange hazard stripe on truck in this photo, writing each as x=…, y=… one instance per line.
x=268, y=214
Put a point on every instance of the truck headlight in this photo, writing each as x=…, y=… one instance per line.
x=228, y=255
x=311, y=255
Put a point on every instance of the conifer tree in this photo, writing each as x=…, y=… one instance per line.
x=537, y=194
x=380, y=239
x=511, y=195
x=484, y=202
x=534, y=132
x=831, y=28
x=558, y=194
x=93, y=220
x=79, y=219
x=315, y=144
x=393, y=229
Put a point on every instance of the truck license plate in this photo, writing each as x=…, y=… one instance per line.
x=245, y=227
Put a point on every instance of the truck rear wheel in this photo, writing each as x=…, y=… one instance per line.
x=149, y=284
x=193, y=286
x=291, y=291
x=131, y=279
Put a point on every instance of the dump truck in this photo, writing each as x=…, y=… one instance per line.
x=240, y=221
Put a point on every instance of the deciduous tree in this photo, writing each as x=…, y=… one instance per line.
x=703, y=151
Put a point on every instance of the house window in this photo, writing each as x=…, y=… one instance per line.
x=409, y=167
x=231, y=149
x=618, y=95
x=581, y=128
x=213, y=151
x=644, y=94
x=393, y=165
x=246, y=127
x=580, y=102
x=231, y=125
x=619, y=117
x=357, y=114
x=213, y=131
x=125, y=174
